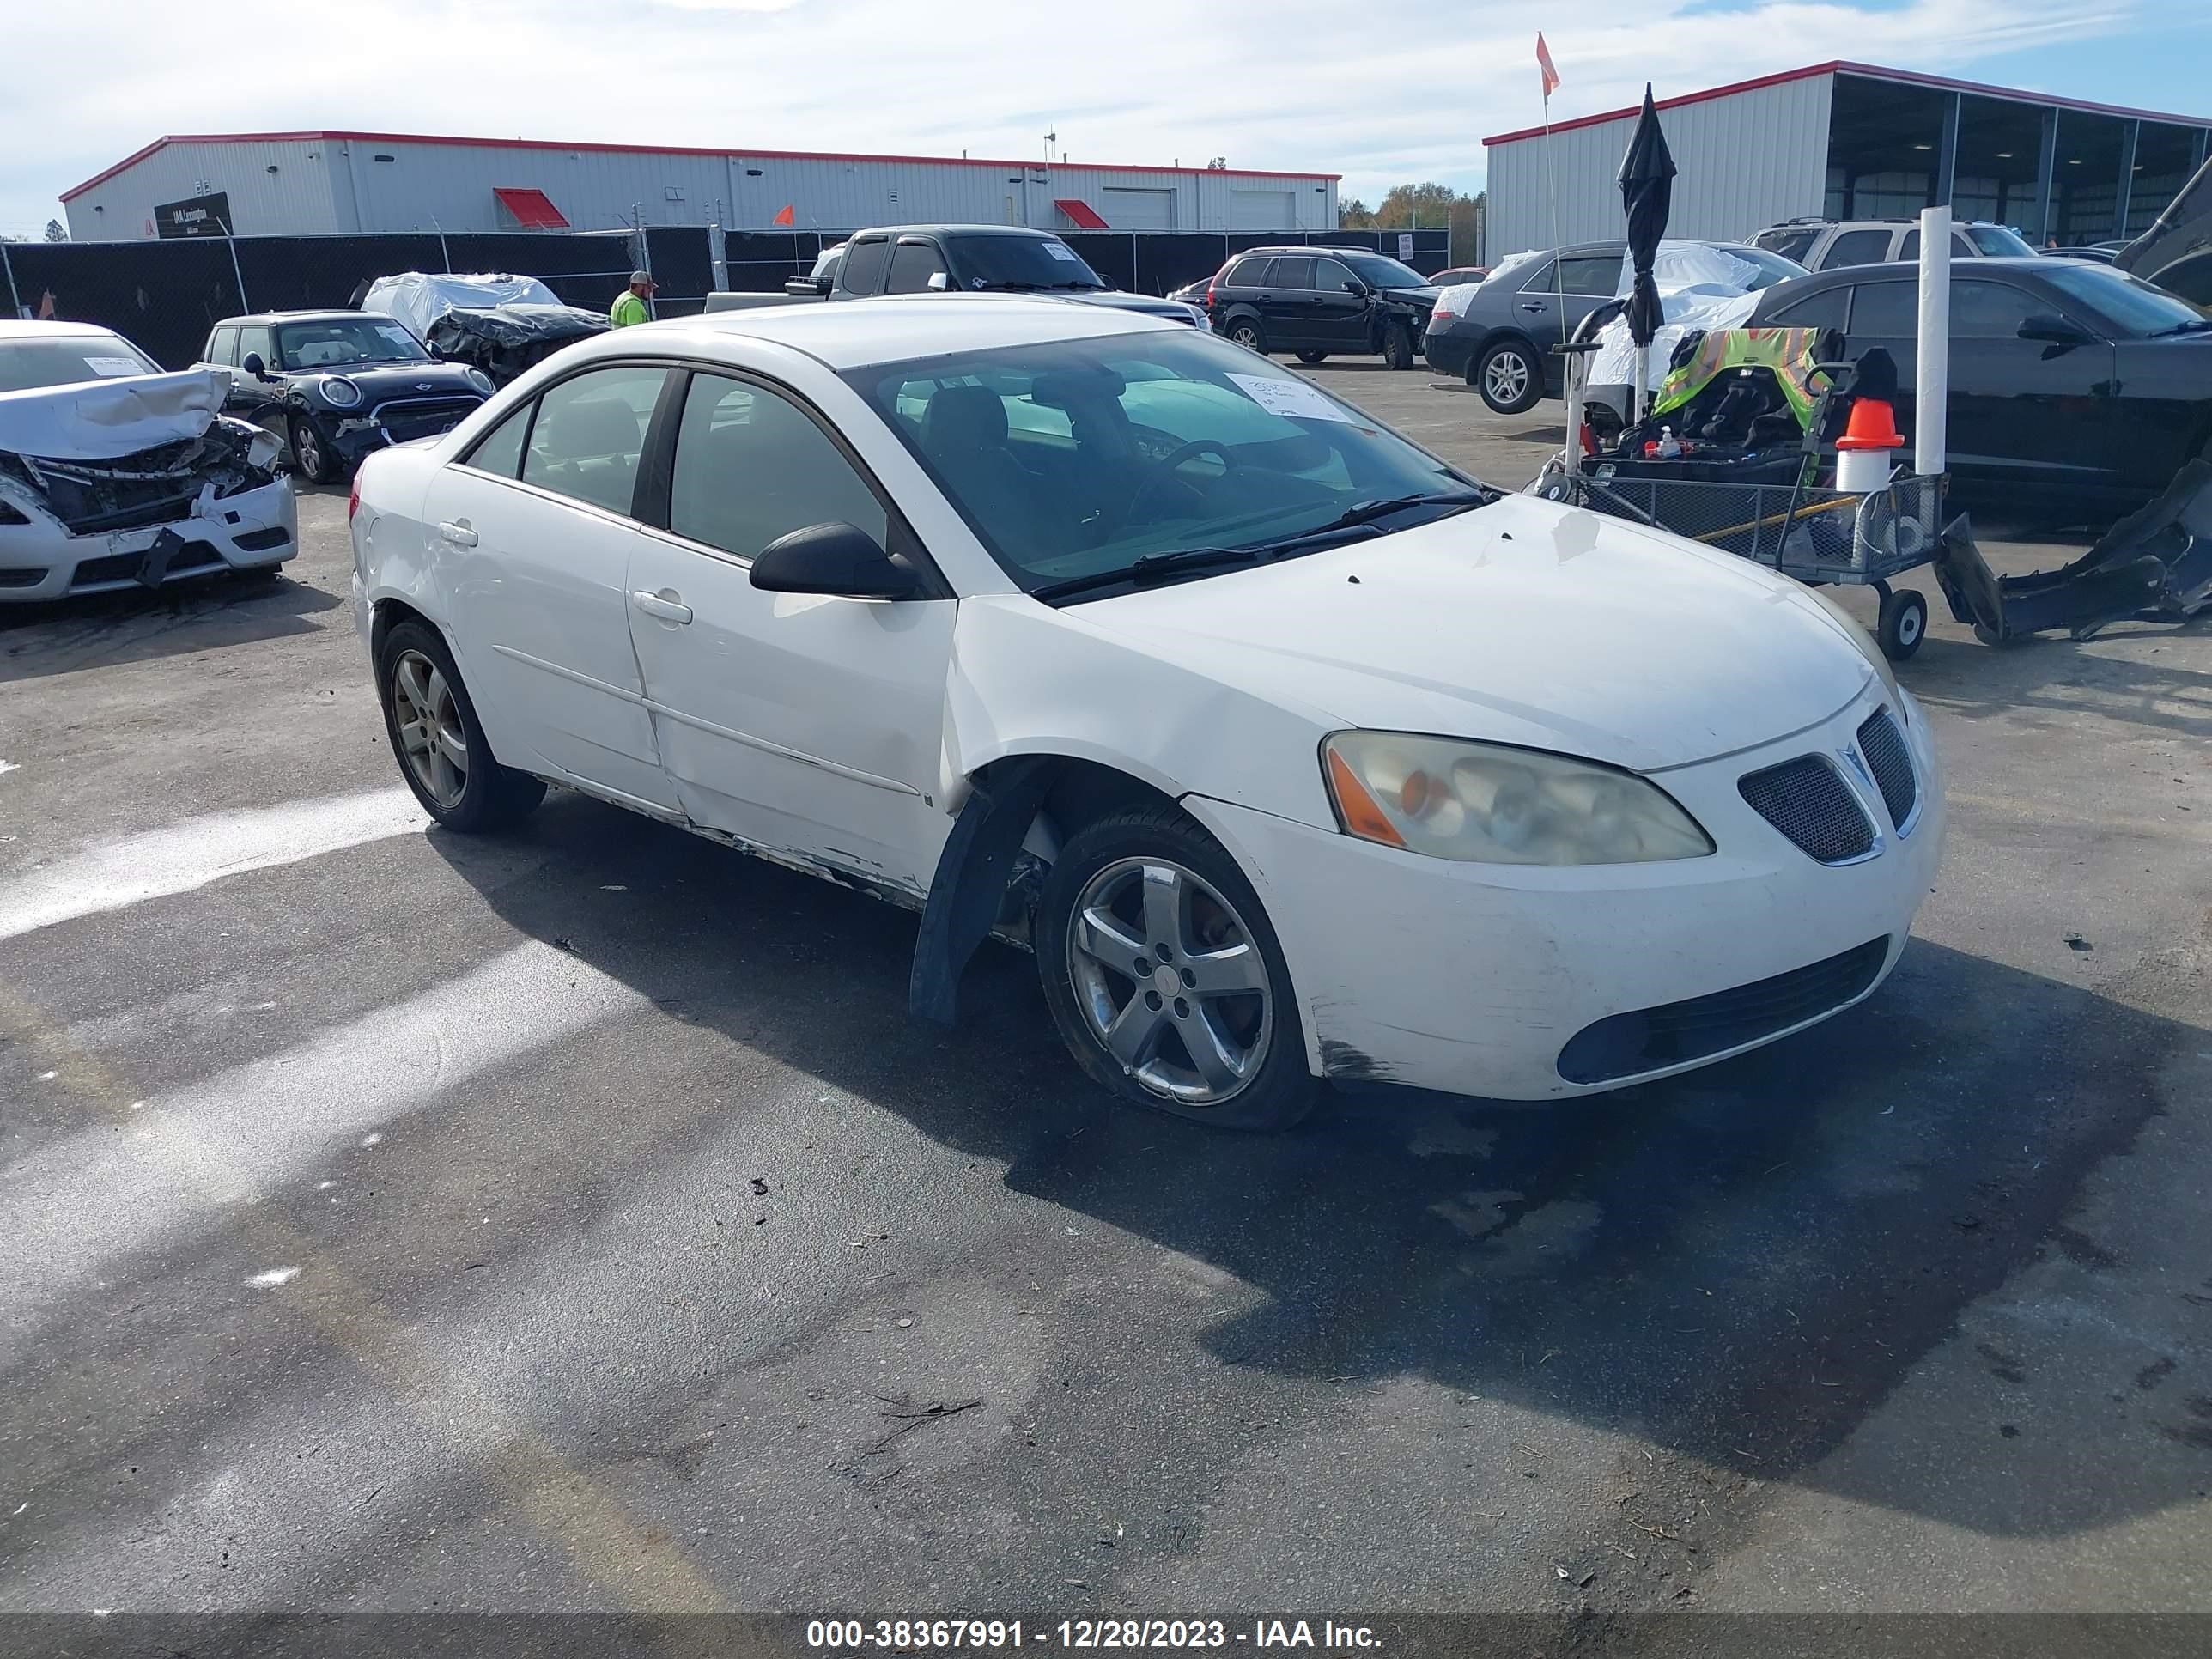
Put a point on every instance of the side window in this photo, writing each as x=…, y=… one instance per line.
x=1292, y=273
x=1822, y=310
x=1885, y=310
x=1589, y=274
x=1988, y=310
x=864, y=266
x=1856, y=247
x=1248, y=273
x=222, y=346
x=1962, y=246
x=255, y=343
x=1543, y=280
x=751, y=466
x=499, y=450
x=1789, y=243
x=1910, y=247
x=913, y=264
x=589, y=434
x=1331, y=277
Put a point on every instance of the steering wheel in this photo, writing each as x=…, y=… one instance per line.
x=1165, y=466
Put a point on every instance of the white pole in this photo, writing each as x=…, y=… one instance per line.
x=1931, y=389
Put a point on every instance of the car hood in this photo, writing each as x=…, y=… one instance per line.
x=104, y=419
x=1113, y=298
x=378, y=381
x=1424, y=296
x=1526, y=622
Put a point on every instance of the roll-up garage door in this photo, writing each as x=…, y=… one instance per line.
x=1137, y=210
x=1261, y=209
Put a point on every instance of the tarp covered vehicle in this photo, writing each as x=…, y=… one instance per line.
x=113, y=474
x=502, y=324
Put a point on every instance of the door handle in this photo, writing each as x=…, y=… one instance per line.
x=1532, y=305
x=664, y=605
x=458, y=532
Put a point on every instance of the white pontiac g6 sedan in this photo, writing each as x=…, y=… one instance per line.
x=1293, y=752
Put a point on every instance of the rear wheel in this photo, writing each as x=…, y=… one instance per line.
x=1246, y=331
x=438, y=742
x=311, y=453
x=1506, y=375
x=1310, y=358
x=1165, y=978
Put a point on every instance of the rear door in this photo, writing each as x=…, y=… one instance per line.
x=807, y=725
x=537, y=528
x=1855, y=247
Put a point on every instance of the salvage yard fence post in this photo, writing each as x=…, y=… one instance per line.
x=14, y=300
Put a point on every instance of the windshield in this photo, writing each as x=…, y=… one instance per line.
x=1773, y=267
x=27, y=365
x=343, y=341
x=1378, y=272
x=2134, y=307
x=1076, y=458
x=1997, y=241
x=1018, y=262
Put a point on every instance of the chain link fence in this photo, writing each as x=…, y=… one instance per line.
x=166, y=295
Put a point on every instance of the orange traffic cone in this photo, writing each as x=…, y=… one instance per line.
x=1862, y=453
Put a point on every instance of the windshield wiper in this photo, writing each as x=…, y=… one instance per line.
x=2194, y=325
x=1367, y=512
x=1153, y=566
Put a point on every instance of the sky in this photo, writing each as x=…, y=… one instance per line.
x=1400, y=95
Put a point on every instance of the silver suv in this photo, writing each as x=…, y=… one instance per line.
x=1827, y=244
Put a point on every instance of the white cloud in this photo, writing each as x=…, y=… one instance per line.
x=1322, y=86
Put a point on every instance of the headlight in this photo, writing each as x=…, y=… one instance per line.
x=339, y=393
x=1483, y=803
x=482, y=381
x=1864, y=642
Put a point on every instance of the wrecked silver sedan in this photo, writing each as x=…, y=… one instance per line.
x=114, y=475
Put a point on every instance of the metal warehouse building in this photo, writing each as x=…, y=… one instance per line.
x=1849, y=141
x=305, y=183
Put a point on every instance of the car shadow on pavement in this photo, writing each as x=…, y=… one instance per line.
x=102, y=629
x=1738, y=1265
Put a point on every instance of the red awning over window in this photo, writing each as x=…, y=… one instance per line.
x=1081, y=214
x=533, y=209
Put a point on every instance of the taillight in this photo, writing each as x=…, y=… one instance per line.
x=353, y=501
x=1441, y=314
x=1209, y=294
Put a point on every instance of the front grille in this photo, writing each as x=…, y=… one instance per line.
x=1807, y=801
x=124, y=567
x=260, y=541
x=1677, y=1033
x=422, y=417
x=1891, y=762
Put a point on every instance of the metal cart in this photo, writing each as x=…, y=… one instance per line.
x=1817, y=535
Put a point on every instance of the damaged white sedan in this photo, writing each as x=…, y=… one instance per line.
x=114, y=475
x=1292, y=752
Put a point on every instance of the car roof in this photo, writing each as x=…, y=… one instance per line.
x=30, y=329
x=964, y=230
x=336, y=314
x=893, y=328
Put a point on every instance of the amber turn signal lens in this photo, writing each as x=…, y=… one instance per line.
x=1362, y=816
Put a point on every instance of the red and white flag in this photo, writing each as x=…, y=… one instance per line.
x=1544, y=65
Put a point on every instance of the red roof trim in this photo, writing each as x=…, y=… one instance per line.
x=1871, y=71
x=130, y=160
x=533, y=210
x=1087, y=216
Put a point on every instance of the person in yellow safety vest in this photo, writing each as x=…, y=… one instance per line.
x=630, y=304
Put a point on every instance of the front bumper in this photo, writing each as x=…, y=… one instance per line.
x=1471, y=979
x=355, y=436
x=253, y=530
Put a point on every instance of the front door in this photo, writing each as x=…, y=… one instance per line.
x=1339, y=308
x=536, y=527
x=806, y=726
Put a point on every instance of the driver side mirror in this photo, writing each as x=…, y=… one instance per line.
x=838, y=560
x=255, y=367
x=2054, y=330
x=939, y=282
x=1358, y=289
x=806, y=288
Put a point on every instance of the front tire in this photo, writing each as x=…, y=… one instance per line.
x=1506, y=375
x=1247, y=333
x=1310, y=358
x=312, y=456
x=1165, y=978
x=1398, y=347
x=438, y=740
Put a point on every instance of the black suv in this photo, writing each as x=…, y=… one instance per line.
x=980, y=259
x=1314, y=300
x=335, y=385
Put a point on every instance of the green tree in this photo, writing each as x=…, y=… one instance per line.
x=1353, y=214
x=54, y=231
x=1426, y=206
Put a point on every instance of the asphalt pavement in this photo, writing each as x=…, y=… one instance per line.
x=574, y=1221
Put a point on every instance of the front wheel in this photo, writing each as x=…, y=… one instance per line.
x=1398, y=347
x=1164, y=976
x=1507, y=377
x=1246, y=331
x=1310, y=358
x=312, y=456
x=438, y=739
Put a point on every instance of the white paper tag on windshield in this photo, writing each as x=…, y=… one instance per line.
x=113, y=368
x=1292, y=398
x=1061, y=250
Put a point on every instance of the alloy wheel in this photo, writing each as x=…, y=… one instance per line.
x=1170, y=978
x=1505, y=377
x=431, y=735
